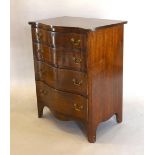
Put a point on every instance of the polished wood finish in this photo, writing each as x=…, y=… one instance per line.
x=60, y=57
x=44, y=53
x=58, y=39
x=75, y=24
x=62, y=79
x=105, y=68
x=71, y=58
x=79, y=69
x=71, y=105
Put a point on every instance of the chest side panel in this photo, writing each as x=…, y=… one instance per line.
x=105, y=68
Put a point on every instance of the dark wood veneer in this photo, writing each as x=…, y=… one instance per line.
x=79, y=69
x=61, y=102
x=105, y=67
x=62, y=79
x=61, y=57
x=58, y=39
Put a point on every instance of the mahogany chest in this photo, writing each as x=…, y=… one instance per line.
x=78, y=69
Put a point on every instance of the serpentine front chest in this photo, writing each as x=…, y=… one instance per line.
x=78, y=69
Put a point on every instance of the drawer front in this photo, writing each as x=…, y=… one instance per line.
x=62, y=79
x=46, y=73
x=64, y=58
x=72, y=59
x=65, y=103
x=43, y=36
x=57, y=39
x=44, y=53
x=69, y=40
x=73, y=81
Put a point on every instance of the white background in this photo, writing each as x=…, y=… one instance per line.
x=139, y=42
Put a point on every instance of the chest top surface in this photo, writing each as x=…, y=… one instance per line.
x=90, y=24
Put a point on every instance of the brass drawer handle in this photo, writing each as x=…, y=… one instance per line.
x=76, y=82
x=42, y=71
x=78, y=107
x=40, y=50
x=40, y=56
x=75, y=42
x=43, y=92
x=39, y=35
x=77, y=60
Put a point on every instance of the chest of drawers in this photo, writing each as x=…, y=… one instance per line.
x=78, y=69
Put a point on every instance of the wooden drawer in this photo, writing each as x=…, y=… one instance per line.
x=43, y=36
x=72, y=59
x=61, y=57
x=46, y=73
x=73, y=81
x=62, y=102
x=44, y=53
x=62, y=79
x=69, y=40
x=57, y=39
